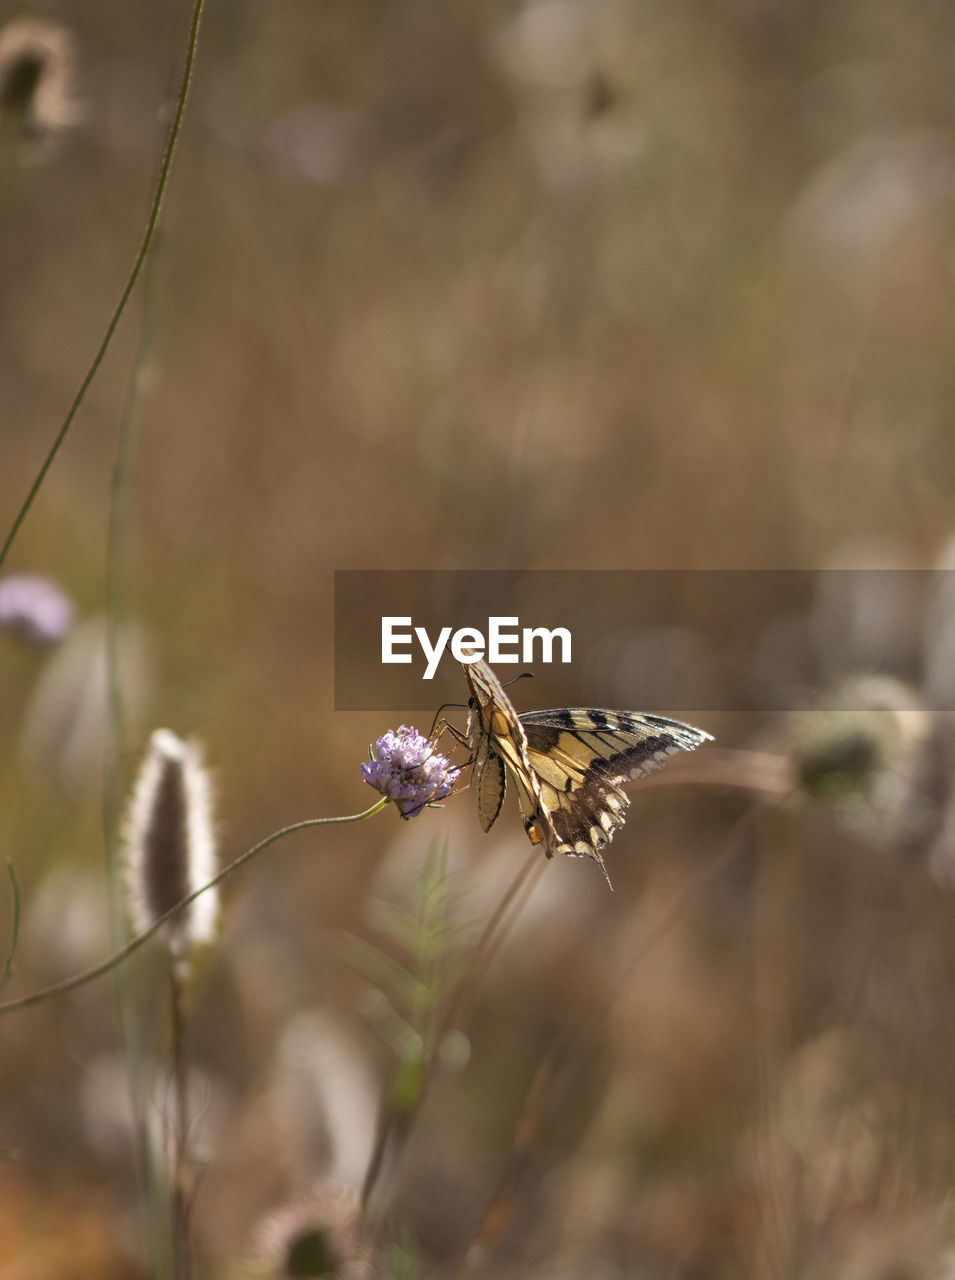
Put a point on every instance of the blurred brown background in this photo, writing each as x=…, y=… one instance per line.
x=553, y=285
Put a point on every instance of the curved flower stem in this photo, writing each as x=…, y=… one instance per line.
x=151, y=223
x=104, y=966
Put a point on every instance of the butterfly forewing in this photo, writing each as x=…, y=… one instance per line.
x=497, y=739
x=568, y=765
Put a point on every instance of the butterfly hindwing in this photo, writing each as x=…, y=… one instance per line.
x=583, y=756
x=568, y=765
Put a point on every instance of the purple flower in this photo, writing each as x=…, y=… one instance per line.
x=406, y=768
x=36, y=606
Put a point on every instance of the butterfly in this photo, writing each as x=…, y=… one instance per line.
x=568, y=765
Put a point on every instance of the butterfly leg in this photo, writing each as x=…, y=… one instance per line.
x=441, y=727
x=438, y=729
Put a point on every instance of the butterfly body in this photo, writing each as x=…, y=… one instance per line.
x=568, y=765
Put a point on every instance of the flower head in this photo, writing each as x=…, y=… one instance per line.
x=36, y=606
x=406, y=768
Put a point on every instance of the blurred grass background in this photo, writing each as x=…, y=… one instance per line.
x=554, y=285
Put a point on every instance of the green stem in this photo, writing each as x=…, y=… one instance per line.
x=104, y=966
x=15, y=930
x=111, y=328
x=181, y=1198
x=161, y=1252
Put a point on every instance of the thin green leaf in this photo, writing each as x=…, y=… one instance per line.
x=407, y=930
x=396, y=981
x=15, y=929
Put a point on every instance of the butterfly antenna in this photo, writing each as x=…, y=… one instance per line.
x=525, y=675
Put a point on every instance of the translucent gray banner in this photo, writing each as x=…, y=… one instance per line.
x=649, y=640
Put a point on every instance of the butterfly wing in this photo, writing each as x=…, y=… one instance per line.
x=583, y=756
x=567, y=765
x=498, y=746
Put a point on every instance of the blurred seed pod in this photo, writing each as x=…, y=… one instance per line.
x=65, y=729
x=169, y=843
x=939, y=635
x=867, y=612
x=323, y=1099
x=37, y=77
x=316, y=1236
x=863, y=753
x=857, y=209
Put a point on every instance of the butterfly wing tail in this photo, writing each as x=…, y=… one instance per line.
x=598, y=858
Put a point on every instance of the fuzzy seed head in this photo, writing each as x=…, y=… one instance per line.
x=170, y=844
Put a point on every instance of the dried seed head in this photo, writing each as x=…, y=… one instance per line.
x=318, y=1235
x=865, y=755
x=169, y=842
x=37, y=76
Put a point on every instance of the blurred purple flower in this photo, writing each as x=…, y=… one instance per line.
x=36, y=606
x=406, y=768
